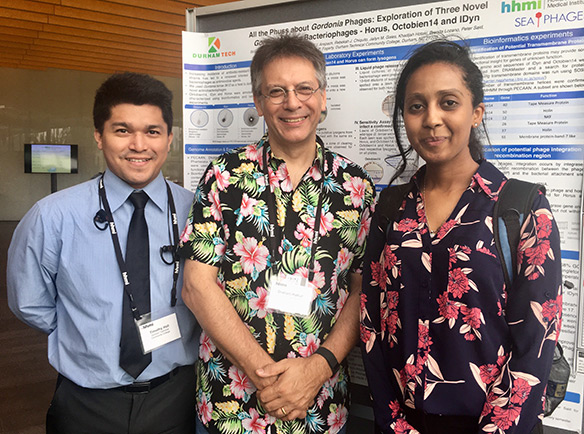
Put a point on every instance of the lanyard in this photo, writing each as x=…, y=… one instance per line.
x=120, y=258
x=275, y=240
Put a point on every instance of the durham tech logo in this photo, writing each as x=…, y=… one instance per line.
x=213, y=50
x=214, y=45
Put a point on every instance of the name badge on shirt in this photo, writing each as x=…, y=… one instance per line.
x=290, y=294
x=155, y=334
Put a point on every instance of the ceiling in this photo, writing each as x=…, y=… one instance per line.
x=104, y=36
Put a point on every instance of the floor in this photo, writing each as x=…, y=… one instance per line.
x=27, y=380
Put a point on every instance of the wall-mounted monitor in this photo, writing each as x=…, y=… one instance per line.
x=49, y=158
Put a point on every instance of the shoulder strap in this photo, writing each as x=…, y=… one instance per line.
x=514, y=203
x=389, y=203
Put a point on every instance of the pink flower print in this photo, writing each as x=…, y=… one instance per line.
x=188, y=230
x=389, y=257
x=336, y=419
x=240, y=385
x=247, y=204
x=520, y=391
x=550, y=310
x=363, y=301
x=395, y=408
x=252, y=257
x=486, y=251
x=379, y=274
x=222, y=178
x=356, y=187
x=407, y=225
x=402, y=427
x=326, y=223
x=317, y=281
x=314, y=173
x=451, y=257
x=204, y=408
x=424, y=338
x=344, y=259
x=254, y=424
x=206, y=347
x=446, y=307
x=536, y=255
x=364, y=333
x=253, y=153
x=284, y=176
x=488, y=407
x=260, y=303
x=304, y=235
x=457, y=283
x=269, y=419
x=215, y=207
x=471, y=316
x=544, y=226
x=364, y=226
x=312, y=344
x=390, y=324
x=392, y=299
x=489, y=373
x=445, y=228
x=273, y=178
x=505, y=417
x=220, y=249
x=482, y=184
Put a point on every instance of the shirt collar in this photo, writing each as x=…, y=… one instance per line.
x=118, y=190
x=320, y=149
x=487, y=178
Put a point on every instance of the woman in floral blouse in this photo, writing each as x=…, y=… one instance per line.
x=447, y=347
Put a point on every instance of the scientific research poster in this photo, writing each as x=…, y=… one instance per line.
x=531, y=54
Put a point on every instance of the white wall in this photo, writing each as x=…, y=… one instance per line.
x=55, y=106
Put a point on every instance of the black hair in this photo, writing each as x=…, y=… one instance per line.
x=438, y=51
x=131, y=88
x=286, y=45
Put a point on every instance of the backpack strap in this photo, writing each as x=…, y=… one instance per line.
x=389, y=203
x=513, y=205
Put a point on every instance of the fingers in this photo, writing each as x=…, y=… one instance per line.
x=287, y=415
x=273, y=369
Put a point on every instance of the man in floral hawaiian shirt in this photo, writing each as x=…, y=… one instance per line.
x=268, y=364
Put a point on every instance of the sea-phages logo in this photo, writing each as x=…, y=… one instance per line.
x=213, y=50
x=534, y=14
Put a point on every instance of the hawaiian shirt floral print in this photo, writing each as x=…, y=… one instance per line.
x=229, y=227
x=440, y=333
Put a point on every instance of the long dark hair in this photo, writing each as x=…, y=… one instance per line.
x=438, y=51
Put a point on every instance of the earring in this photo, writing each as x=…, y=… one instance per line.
x=476, y=125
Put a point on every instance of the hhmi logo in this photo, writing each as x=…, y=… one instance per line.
x=518, y=6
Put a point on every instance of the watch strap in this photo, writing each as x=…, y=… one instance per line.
x=329, y=357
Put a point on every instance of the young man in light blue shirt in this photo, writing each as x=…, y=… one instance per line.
x=67, y=276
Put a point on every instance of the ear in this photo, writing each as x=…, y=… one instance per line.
x=258, y=105
x=170, y=137
x=97, y=137
x=478, y=113
x=323, y=102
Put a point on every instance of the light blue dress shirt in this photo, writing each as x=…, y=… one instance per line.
x=63, y=279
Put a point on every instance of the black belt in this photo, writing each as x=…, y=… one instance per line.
x=147, y=386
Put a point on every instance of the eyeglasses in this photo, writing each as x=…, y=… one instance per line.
x=277, y=95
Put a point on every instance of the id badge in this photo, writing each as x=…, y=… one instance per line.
x=155, y=334
x=290, y=294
